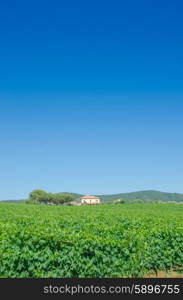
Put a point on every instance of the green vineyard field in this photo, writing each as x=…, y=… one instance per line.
x=90, y=241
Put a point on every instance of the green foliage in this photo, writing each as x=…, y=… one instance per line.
x=137, y=201
x=42, y=197
x=90, y=241
x=38, y=196
x=119, y=201
x=123, y=201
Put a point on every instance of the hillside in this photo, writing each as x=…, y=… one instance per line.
x=147, y=196
x=13, y=201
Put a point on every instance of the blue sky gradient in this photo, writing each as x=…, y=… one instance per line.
x=91, y=96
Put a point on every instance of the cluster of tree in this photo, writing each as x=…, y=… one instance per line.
x=42, y=197
x=133, y=201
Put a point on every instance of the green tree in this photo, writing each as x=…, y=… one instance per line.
x=137, y=201
x=37, y=196
x=63, y=198
x=42, y=197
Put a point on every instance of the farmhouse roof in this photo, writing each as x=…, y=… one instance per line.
x=89, y=197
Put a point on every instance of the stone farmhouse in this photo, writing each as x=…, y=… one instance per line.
x=90, y=200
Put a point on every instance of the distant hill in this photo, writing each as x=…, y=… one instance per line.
x=147, y=196
x=13, y=201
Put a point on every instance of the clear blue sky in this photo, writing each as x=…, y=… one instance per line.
x=91, y=96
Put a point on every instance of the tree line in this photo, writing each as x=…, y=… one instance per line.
x=42, y=197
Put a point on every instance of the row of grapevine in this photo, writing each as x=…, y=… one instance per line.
x=98, y=241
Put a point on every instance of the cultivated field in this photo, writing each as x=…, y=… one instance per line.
x=90, y=241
